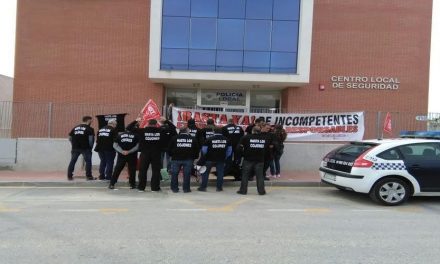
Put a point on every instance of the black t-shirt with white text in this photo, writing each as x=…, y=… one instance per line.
x=149, y=139
x=183, y=147
x=127, y=140
x=80, y=136
x=105, y=138
x=254, y=147
x=217, y=146
x=234, y=133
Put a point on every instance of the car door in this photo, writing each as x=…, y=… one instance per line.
x=422, y=161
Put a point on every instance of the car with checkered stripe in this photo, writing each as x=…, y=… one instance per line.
x=389, y=170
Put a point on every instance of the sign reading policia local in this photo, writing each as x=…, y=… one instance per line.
x=365, y=82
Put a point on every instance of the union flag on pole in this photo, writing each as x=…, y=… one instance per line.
x=387, y=124
x=150, y=111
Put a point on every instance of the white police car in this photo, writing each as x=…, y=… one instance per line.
x=389, y=170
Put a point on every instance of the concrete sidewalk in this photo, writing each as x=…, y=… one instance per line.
x=59, y=179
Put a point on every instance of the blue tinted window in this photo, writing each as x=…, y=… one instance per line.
x=174, y=59
x=230, y=34
x=259, y=9
x=203, y=33
x=283, y=62
x=202, y=60
x=285, y=36
x=175, y=32
x=286, y=9
x=176, y=7
x=204, y=8
x=256, y=61
x=229, y=61
x=257, y=36
x=231, y=8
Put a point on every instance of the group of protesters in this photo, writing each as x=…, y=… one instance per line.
x=191, y=149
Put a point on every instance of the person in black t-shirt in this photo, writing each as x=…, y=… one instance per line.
x=149, y=146
x=207, y=131
x=126, y=144
x=253, y=148
x=215, y=151
x=82, y=138
x=169, y=131
x=270, y=152
x=183, y=149
x=104, y=146
x=234, y=133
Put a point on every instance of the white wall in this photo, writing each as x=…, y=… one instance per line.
x=54, y=155
x=6, y=88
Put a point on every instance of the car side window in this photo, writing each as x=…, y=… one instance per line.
x=421, y=151
x=391, y=154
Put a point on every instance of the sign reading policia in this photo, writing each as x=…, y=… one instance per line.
x=299, y=127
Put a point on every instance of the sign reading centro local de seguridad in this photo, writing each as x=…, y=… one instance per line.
x=364, y=82
x=299, y=127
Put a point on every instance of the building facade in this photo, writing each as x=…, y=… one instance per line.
x=227, y=55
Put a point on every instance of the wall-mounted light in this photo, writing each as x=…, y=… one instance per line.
x=321, y=87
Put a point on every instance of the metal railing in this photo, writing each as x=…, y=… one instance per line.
x=54, y=120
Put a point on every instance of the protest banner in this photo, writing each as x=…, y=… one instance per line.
x=347, y=126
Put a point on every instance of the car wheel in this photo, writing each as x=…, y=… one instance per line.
x=390, y=191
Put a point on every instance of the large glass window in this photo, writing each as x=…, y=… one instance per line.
x=182, y=97
x=261, y=100
x=204, y=8
x=286, y=9
x=259, y=9
x=175, y=32
x=242, y=35
x=282, y=40
x=258, y=35
x=231, y=61
x=231, y=8
x=230, y=34
x=202, y=60
x=203, y=33
x=174, y=59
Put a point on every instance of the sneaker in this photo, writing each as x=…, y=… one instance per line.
x=278, y=175
x=263, y=193
x=186, y=191
x=101, y=178
x=200, y=189
x=242, y=193
x=273, y=176
x=158, y=190
x=175, y=191
x=70, y=178
x=266, y=179
x=111, y=187
x=91, y=178
x=219, y=190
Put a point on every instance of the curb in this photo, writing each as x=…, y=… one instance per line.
x=98, y=184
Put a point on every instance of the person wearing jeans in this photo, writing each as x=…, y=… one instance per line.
x=104, y=146
x=82, y=138
x=183, y=149
x=216, y=150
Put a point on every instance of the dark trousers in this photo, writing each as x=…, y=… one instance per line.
x=145, y=160
x=130, y=160
x=87, y=154
x=175, y=168
x=220, y=166
x=230, y=163
x=250, y=168
x=106, y=166
x=276, y=161
x=268, y=163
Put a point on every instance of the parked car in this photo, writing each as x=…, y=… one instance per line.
x=389, y=170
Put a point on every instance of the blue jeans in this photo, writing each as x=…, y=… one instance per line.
x=276, y=161
x=165, y=155
x=87, y=154
x=220, y=167
x=175, y=168
x=106, y=166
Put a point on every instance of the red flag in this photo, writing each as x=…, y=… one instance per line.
x=387, y=124
x=150, y=111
